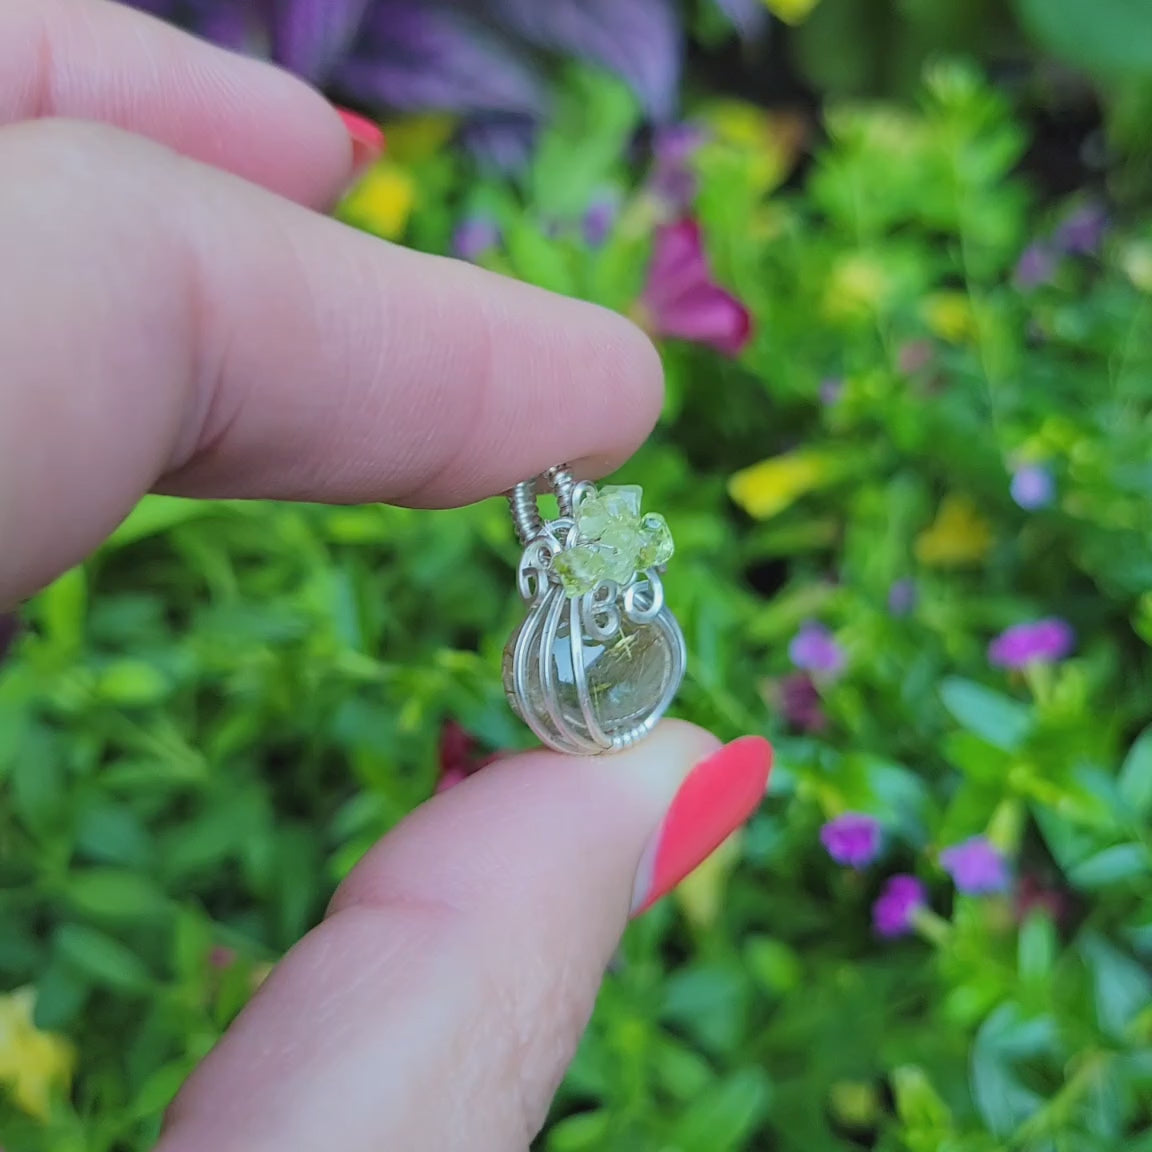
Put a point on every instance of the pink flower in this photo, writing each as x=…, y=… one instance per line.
x=975, y=866
x=1040, y=641
x=892, y=914
x=852, y=839
x=814, y=649
x=682, y=301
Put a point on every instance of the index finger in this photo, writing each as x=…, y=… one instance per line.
x=176, y=326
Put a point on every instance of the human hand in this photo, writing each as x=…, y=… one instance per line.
x=177, y=315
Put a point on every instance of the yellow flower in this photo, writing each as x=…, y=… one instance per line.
x=949, y=315
x=31, y=1062
x=767, y=488
x=701, y=894
x=856, y=288
x=767, y=143
x=382, y=202
x=791, y=11
x=959, y=536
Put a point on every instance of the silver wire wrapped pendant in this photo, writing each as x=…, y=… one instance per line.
x=599, y=657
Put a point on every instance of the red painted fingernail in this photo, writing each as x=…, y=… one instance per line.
x=717, y=796
x=367, y=139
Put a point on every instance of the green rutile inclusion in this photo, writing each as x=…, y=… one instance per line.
x=613, y=541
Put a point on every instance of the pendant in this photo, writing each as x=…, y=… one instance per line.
x=599, y=657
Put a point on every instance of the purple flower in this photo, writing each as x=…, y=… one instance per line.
x=852, y=839
x=600, y=218
x=831, y=390
x=800, y=703
x=474, y=236
x=1033, y=486
x=672, y=180
x=1039, y=641
x=311, y=36
x=902, y=597
x=1082, y=232
x=892, y=914
x=975, y=866
x=424, y=57
x=1036, y=266
x=682, y=301
x=503, y=143
x=815, y=650
x=639, y=40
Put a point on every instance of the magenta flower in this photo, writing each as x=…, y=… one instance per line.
x=800, y=703
x=1036, y=266
x=852, y=839
x=902, y=597
x=1040, y=641
x=1082, y=232
x=815, y=650
x=682, y=301
x=1033, y=487
x=975, y=866
x=892, y=914
x=475, y=236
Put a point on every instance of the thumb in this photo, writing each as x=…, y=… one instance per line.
x=438, y=1005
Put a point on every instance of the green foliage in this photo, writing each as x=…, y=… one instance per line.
x=206, y=726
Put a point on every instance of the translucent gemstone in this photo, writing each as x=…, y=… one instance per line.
x=656, y=546
x=581, y=568
x=627, y=678
x=612, y=504
x=621, y=543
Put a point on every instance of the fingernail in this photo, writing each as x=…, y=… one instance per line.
x=367, y=139
x=717, y=796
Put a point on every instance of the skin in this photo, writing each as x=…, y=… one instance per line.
x=179, y=315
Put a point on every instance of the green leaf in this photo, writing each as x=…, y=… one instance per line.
x=1036, y=948
x=1001, y=721
x=586, y=1130
x=115, y=895
x=1122, y=987
x=156, y=514
x=1004, y=1038
x=132, y=684
x=159, y=1090
x=585, y=142
x=103, y=960
x=60, y=995
x=1115, y=865
x=537, y=259
x=728, y=1115
x=711, y=1003
x=1136, y=776
x=1102, y=36
x=63, y=610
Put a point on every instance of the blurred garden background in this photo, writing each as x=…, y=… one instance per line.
x=897, y=255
